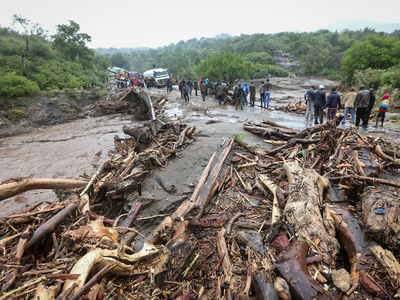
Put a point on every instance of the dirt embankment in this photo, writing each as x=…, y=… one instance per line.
x=52, y=108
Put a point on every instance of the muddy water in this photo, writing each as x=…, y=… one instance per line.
x=63, y=151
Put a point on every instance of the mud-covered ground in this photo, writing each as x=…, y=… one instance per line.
x=79, y=148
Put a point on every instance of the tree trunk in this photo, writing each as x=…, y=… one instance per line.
x=304, y=205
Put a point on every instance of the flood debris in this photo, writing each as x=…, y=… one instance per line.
x=314, y=217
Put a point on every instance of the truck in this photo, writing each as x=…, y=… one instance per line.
x=156, y=77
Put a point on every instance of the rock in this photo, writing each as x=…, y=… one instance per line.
x=250, y=238
x=282, y=288
x=341, y=279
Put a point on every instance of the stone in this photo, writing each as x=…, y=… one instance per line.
x=341, y=279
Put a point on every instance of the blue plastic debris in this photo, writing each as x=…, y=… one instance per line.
x=380, y=211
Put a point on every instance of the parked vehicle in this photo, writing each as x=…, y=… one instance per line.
x=156, y=77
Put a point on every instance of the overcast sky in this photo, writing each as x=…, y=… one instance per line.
x=152, y=23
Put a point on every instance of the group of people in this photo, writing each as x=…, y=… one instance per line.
x=131, y=82
x=240, y=94
x=359, y=105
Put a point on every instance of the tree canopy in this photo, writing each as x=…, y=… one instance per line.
x=225, y=65
x=71, y=43
x=376, y=52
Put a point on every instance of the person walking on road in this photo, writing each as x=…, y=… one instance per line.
x=383, y=109
x=245, y=93
x=225, y=92
x=181, y=88
x=370, y=105
x=252, y=88
x=349, y=105
x=268, y=86
x=319, y=103
x=196, y=86
x=332, y=103
x=361, y=103
x=190, y=85
x=203, y=89
x=309, y=96
x=238, y=95
x=261, y=90
x=220, y=92
x=186, y=92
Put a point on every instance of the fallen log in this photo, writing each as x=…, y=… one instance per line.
x=352, y=238
x=311, y=130
x=292, y=267
x=304, y=205
x=272, y=123
x=11, y=189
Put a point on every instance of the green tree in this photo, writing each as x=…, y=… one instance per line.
x=29, y=32
x=262, y=58
x=225, y=65
x=376, y=52
x=71, y=43
x=119, y=60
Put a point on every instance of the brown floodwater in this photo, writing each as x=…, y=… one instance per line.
x=68, y=150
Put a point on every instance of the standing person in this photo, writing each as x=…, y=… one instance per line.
x=361, y=103
x=220, y=92
x=261, y=90
x=332, y=103
x=268, y=86
x=168, y=83
x=383, y=109
x=196, y=86
x=186, y=92
x=245, y=93
x=349, y=105
x=309, y=96
x=319, y=103
x=190, y=85
x=252, y=88
x=181, y=88
x=370, y=105
x=207, y=83
x=238, y=95
x=203, y=89
x=225, y=92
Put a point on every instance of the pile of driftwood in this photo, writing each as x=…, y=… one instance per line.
x=316, y=217
x=63, y=250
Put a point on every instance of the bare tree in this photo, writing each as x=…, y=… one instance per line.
x=29, y=31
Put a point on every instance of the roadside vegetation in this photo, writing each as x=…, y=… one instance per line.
x=31, y=61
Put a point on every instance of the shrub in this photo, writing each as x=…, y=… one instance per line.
x=12, y=85
x=238, y=137
x=15, y=115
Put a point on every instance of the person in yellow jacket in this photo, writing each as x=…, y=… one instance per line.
x=349, y=105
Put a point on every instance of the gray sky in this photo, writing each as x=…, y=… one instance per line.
x=152, y=23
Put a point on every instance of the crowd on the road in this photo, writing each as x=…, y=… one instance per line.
x=220, y=90
x=359, y=105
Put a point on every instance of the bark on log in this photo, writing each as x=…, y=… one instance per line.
x=381, y=217
x=304, y=205
x=272, y=123
x=14, y=188
x=293, y=268
x=264, y=290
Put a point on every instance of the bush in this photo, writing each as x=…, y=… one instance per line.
x=275, y=71
x=15, y=115
x=12, y=85
x=238, y=137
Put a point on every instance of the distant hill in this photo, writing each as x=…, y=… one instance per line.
x=361, y=24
